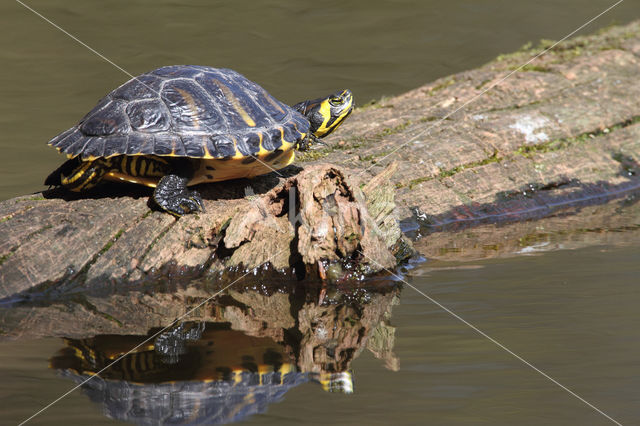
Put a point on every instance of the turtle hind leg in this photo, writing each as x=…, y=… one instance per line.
x=172, y=195
x=77, y=175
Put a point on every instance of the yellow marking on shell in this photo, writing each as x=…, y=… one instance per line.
x=274, y=103
x=207, y=154
x=238, y=155
x=237, y=377
x=263, y=370
x=235, y=103
x=286, y=368
x=192, y=105
x=262, y=152
x=286, y=146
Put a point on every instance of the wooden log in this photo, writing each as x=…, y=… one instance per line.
x=503, y=142
x=316, y=218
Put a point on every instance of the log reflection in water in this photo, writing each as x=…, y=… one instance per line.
x=252, y=348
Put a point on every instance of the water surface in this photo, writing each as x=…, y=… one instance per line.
x=572, y=314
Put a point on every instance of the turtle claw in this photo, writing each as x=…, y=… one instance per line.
x=195, y=196
x=172, y=195
x=192, y=203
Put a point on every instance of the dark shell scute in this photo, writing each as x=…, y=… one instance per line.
x=301, y=123
x=166, y=144
x=178, y=71
x=289, y=134
x=108, y=121
x=115, y=145
x=101, y=104
x=213, y=86
x=93, y=148
x=149, y=116
x=192, y=111
x=222, y=146
x=191, y=108
x=249, y=144
x=145, y=86
x=272, y=139
x=232, y=94
x=65, y=138
x=194, y=145
x=273, y=107
x=140, y=143
x=74, y=144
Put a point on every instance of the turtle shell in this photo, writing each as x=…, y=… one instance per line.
x=185, y=111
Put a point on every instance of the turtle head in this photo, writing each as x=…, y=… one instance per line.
x=326, y=114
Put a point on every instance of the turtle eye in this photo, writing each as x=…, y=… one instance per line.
x=335, y=101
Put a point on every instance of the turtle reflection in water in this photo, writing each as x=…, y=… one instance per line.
x=253, y=348
x=182, y=125
x=222, y=377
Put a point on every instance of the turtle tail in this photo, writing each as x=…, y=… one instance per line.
x=77, y=175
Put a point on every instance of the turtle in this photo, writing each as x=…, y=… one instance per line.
x=182, y=125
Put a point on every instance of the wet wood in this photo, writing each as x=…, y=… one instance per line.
x=563, y=130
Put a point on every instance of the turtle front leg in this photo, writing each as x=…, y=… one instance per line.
x=307, y=142
x=172, y=195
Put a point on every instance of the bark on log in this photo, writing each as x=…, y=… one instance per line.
x=563, y=129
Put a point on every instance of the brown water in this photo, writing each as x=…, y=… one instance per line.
x=296, y=50
x=572, y=313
